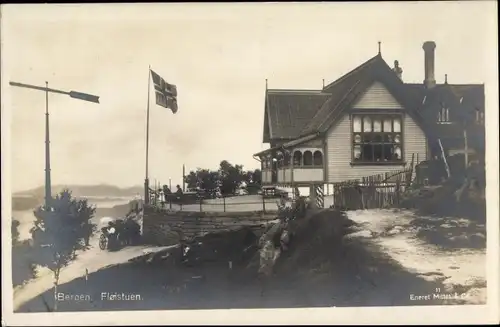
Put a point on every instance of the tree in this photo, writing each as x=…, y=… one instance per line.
x=202, y=178
x=191, y=180
x=208, y=180
x=23, y=267
x=257, y=177
x=14, y=230
x=247, y=177
x=252, y=180
x=230, y=177
x=58, y=234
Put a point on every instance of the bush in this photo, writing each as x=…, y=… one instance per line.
x=462, y=196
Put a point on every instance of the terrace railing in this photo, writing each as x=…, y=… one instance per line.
x=242, y=203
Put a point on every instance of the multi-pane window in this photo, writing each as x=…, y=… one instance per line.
x=377, y=138
x=266, y=163
x=307, y=158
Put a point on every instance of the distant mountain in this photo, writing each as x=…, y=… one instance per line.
x=101, y=190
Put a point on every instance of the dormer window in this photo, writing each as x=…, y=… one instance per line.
x=444, y=116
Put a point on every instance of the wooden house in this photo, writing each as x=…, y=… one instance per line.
x=367, y=122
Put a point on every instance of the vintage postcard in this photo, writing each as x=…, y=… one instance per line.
x=250, y=163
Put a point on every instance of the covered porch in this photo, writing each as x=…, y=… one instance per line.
x=292, y=164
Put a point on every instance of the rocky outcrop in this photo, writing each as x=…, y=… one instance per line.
x=270, y=247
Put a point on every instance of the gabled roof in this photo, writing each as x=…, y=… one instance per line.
x=471, y=95
x=288, y=111
x=347, y=89
x=293, y=114
x=462, y=100
x=470, y=92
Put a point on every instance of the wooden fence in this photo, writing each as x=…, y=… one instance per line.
x=376, y=191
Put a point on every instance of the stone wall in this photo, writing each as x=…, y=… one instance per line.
x=163, y=227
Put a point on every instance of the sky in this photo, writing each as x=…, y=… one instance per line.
x=219, y=56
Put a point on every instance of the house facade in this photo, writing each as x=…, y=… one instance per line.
x=367, y=122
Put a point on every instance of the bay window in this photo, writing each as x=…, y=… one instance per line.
x=377, y=138
x=308, y=158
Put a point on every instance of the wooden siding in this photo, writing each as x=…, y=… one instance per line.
x=377, y=97
x=284, y=175
x=307, y=174
x=266, y=176
x=339, y=151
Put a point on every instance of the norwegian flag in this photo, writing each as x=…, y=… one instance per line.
x=166, y=93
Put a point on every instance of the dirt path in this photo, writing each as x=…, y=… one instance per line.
x=459, y=266
x=93, y=260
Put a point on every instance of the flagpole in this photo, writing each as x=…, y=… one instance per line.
x=183, y=178
x=48, y=183
x=146, y=181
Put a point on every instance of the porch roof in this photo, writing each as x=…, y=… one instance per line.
x=287, y=144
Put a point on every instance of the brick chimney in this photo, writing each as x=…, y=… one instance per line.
x=430, y=80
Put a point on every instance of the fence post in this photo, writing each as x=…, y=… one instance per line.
x=224, y=202
x=201, y=209
x=263, y=203
x=397, y=191
x=170, y=202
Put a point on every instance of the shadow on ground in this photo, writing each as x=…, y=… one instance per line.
x=450, y=233
x=318, y=271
